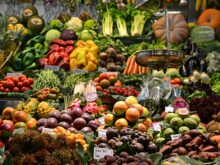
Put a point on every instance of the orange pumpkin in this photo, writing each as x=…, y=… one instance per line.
x=179, y=29
x=210, y=17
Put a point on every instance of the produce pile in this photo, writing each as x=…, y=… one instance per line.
x=84, y=97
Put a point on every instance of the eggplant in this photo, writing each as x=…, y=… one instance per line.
x=192, y=63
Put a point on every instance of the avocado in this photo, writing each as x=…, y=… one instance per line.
x=35, y=24
x=28, y=12
x=13, y=19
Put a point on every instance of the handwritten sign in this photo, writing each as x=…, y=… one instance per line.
x=78, y=71
x=101, y=120
x=156, y=127
x=16, y=74
x=102, y=152
x=51, y=67
x=176, y=136
x=169, y=109
x=102, y=70
x=102, y=133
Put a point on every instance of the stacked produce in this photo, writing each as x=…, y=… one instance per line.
x=85, y=56
x=192, y=143
x=16, y=84
x=112, y=60
x=48, y=93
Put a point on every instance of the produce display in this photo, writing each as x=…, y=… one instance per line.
x=95, y=82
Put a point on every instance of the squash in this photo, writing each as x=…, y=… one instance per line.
x=210, y=17
x=179, y=29
x=201, y=34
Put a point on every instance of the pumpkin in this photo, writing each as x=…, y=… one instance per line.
x=201, y=34
x=179, y=29
x=210, y=17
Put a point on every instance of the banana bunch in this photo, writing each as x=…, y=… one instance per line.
x=201, y=4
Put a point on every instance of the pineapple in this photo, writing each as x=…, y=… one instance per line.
x=43, y=109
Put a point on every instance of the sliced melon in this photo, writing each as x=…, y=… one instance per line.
x=13, y=19
x=28, y=12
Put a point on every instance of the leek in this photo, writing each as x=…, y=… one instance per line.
x=107, y=24
x=122, y=26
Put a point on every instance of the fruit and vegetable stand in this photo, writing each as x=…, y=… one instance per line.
x=110, y=82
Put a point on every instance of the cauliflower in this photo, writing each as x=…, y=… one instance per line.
x=90, y=24
x=75, y=24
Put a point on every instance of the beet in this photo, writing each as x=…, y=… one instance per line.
x=64, y=124
x=87, y=117
x=69, y=35
x=86, y=129
x=79, y=123
x=41, y=122
x=93, y=124
x=56, y=114
x=66, y=117
x=76, y=112
x=51, y=123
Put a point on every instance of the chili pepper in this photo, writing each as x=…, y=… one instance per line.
x=17, y=64
x=42, y=62
x=27, y=50
x=38, y=46
x=55, y=58
x=32, y=66
x=69, y=49
x=59, y=42
x=38, y=54
x=28, y=59
x=69, y=42
x=44, y=51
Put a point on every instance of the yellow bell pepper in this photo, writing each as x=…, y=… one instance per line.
x=91, y=57
x=94, y=50
x=73, y=64
x=81, y=43
x=81, y=60
x=90, y=67
x=75, y=53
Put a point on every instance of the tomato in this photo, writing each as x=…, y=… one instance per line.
x=26, y=82
x=173, y=81
x=177, y=80
x=21, y=77
x=20, y=84
x=103, y=76
x=15, y=80
x=16, y=89
x=117, y=84
x=10, y=84
x=1, y=85
x=96, y=79
x=7, y=90
x=7, y=78
x=31, y=81
x=99, y=88
x=2, y=89
x=23, y=89
x=4, y=83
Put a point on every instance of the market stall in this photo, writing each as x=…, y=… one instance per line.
x=110, y=82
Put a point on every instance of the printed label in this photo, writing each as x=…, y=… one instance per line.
x=174, y=137
x=16, y=74
x=51, y=67
x=102, y=152
x=102, y=133
x=157, y=127
x=77, y=71
x=101, y=120
x=169, y=109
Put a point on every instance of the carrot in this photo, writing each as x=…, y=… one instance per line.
x=131, y=65
x=142, y=69
x=127, y=65
x=135, y=68
x=139, y=69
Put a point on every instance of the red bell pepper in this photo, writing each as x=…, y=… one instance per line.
x=69, y=42
x=69, y=49
x=59, y=42
x=55, y=58
x=42, y=62
x=64, y=64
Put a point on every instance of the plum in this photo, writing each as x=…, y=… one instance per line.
x=41, y=122
x=76, y=112
x=93, y=125
x=56, y=114
x=66, y=117
x=86, y=129
x=51, y=122
x=87, y=117
x=79, y=123
x=64, y=124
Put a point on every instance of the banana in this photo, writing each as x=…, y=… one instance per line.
x=204, y=4
x=198, y=5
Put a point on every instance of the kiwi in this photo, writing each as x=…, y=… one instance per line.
x=13, y=19
x=28, y=12
x=35, y=24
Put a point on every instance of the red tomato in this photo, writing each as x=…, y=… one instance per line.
x=4, y=83
x=10, y=84
x=7, y=77
x=1, y=85
x=23, y=89
x=21, y=77
x=2, y=89
x=16, y=89
x=117, y=84
x=26, y=82
x=15, y=80
x=173, y=81
x=177, y=80
x=20, y=84
x=31, y=81
x=7, y=90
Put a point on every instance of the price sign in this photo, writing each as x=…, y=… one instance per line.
x=78, y=71
x=51, y=67
x=157, y=127
x=49, y=131
x=102, y=152
x=102, y=70
x=169, y=109
x=102, y=133
x=176, y=136
x=101, y=120
x=16, y=74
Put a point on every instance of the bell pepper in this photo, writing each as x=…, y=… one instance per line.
x=73, y=64
x=59, y=42
x=64, y=64
x=81, y=60
x=69, y=49
x=55, y=58
x=38, y=46
x=90, y=67
x=28, y=59
x=42, y=62
x=91, y=57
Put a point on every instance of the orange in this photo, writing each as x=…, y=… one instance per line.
x=132, y=115
x=141, y=127
x=31, y=123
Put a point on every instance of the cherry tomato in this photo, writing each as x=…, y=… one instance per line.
x=20, y=84
x=7, y=77
x=21, y=77
x=4, y=83
x=23, y=89
x=16, y=89
x=1, y=85
x=177, y=80
x=99, y=88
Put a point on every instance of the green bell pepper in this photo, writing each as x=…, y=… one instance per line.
x=28, y=59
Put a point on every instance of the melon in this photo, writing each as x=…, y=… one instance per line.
x=201, y=34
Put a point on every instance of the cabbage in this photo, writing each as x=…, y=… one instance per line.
x=88, y=35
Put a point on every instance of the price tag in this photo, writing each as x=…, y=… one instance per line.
x=51, y=67
x=169, y=109
x=102, y=133
x=157, y=127
x=77, y=71
x=101, y=120
x=102, y=152
x=176, y=136
x=49, y=131
x=102, y=70
x=16, y=74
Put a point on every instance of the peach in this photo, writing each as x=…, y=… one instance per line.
x=120, y=108
x=19, y=116
x=8, y=112
x=121, y=123
x=132, y=114
x=109, y=119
